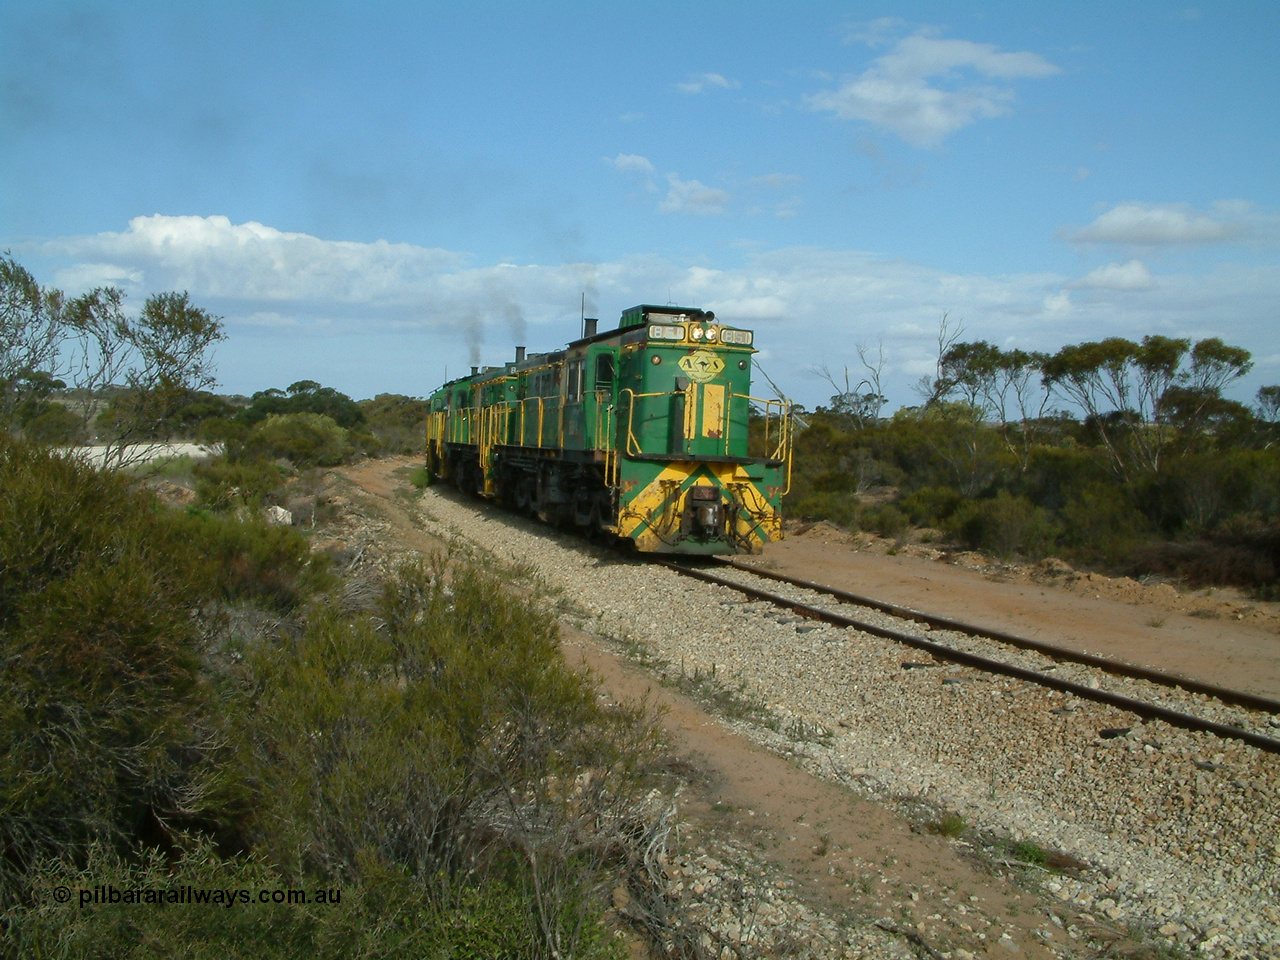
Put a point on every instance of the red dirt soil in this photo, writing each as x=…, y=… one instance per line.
x=1215, y=637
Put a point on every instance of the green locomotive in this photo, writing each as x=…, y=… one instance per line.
x=647, y=432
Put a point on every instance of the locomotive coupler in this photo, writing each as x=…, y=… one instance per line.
x=704, y=513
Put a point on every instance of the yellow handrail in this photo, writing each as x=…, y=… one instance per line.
x=631, y=412
x=483, y=427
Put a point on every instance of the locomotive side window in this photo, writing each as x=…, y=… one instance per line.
x=576, y=378
x=604, y=369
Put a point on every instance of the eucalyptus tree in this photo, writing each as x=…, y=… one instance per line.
x=31, y=333
x=1144, y=397
x=1004, y=386
x=151, y=365
x=141, y=369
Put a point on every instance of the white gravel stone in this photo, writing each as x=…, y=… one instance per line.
x=1169, y=843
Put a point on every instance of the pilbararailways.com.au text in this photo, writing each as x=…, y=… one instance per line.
x=188, y=895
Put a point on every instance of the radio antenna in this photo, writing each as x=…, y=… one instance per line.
x=582, y=317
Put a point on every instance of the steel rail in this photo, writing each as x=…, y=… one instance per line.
x=986, y=664
x=1237, y=697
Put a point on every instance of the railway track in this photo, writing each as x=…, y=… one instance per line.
x=1042, y=676
x=1181, y=825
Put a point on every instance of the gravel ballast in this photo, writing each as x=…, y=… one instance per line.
x=1180, y=830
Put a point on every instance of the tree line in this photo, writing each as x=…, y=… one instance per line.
x=1119, y=452
x=77, y=370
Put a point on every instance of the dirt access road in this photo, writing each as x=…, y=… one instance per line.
x=850, y=857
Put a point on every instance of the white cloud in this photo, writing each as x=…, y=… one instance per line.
x=775, y=181
x=1159, y=224
x=630, y=163
x=875, y=33
x=639, y=169
x=895, y=93
x=700, y=81
x=86, y=276
x=254, y=262
x=692, y=196
x=349, y=313
x=270, y=318
x=1133, y=275
x=788, y=208
x=1057, y=304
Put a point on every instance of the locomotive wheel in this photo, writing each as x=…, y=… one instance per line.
x=596, y=526
x=524, y=493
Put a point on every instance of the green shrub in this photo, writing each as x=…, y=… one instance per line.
x=949, y=825
x=1003, y=526
x=399, y=423
x=226, y=484
x=437, y=760
x=101, y=713
x=306, y=439
x=229, y=434
x=842, y=509
x=1029, y=852
x=931, y=506
x=251, y=560
x=305, y=396
x=1243, y=551
x=55, y=424
x=1100, y=524
x=885, y=519
x=384, y=914
x=448, y=739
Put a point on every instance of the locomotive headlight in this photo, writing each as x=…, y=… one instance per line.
x=696, y=333
x=711, y=333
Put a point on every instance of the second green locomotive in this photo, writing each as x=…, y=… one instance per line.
x=647, y=432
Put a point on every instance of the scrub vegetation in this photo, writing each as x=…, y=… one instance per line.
x=86, y=370
x=190, y=698
x=1119, y=454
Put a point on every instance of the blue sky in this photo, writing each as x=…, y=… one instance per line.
x=372, y=193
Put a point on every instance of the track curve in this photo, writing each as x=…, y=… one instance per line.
x=942, y=651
